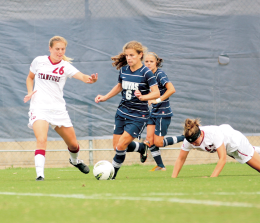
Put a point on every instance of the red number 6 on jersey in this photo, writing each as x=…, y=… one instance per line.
x=61, y=70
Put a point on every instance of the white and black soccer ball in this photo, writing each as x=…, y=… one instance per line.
x=103, y=170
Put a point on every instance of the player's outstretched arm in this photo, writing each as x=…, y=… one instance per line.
x=179, y=163
x=222, y=154
x=117, y=89
x=86, y=78
x=29, y=85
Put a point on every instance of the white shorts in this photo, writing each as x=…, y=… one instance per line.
x=244, y=152
x=54, y=118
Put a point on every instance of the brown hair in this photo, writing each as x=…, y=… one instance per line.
x=60, y=39
x=191, y=127
x=120, y=59
x=158, y=59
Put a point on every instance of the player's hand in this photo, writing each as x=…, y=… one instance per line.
x=28, y=96
x=100, y=98
x=138, y=95
x=152, y=102
x=93, y=78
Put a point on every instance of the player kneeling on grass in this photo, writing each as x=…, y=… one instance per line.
x=48, y=105
x=222, y=139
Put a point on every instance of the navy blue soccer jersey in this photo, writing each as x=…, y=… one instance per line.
x=162, y=109
x=130, y=106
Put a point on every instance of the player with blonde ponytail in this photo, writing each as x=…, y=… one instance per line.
x=48, y=107
x=63, y=40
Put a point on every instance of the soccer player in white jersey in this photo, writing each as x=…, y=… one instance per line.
x=137, y=85
x=160, y=116
x=48, y=106
x=222, y=139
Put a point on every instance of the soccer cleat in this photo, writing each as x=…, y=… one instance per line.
x=158, y=168
x=143, y=156
x=40, y=178
x=81, y=166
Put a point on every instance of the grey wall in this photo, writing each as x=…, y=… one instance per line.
x=188, y=35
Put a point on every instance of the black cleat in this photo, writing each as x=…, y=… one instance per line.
x=40, y=178
x=143, y=156
x=81, y=166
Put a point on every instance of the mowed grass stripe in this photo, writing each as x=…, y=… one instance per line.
x=111, y=197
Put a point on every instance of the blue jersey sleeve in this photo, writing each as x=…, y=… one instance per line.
x=162, y=78
x=151, y=80
x=119, y=76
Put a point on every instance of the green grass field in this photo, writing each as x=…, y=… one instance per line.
x=137, y=195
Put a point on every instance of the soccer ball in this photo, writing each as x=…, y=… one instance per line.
x=103, y=170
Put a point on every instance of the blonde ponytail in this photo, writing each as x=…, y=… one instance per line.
x=60, y=39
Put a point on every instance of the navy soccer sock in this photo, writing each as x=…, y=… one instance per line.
x=155, y=151
x=132, y=147
x=172, y=140
x=135, y=147
x=118, y=160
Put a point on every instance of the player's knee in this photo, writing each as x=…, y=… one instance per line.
x=121, y=146
x=41, y=142
x=74, y=147
x=158, y=142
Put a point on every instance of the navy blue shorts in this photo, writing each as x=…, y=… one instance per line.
x=161, y=125
x=134, y=128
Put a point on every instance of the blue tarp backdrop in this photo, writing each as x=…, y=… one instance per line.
x=188, y=35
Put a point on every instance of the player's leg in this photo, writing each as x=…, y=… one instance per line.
x=254, y=162
x=143, y=147
x=161, y=128
x=116, y=138
x=257, y=149
x=156, y=153
x=172, y=140
x=69, y=137
x=133, y=128
x=118, y=132
x=40, y=128
x=246, y=154
x=150, y=142
x=123, y=141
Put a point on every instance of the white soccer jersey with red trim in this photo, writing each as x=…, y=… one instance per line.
x=50, y=79
x=213, y=138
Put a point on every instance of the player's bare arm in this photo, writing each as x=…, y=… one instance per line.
x=155, y=93
x=115, y=90
x=29, y=85
x=222, y=154
x=170, y=90
x=88, y=79
x=179, y=163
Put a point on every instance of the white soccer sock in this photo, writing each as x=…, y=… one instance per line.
x=74, y=156
x=39, y=159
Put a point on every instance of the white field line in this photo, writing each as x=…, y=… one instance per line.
x=157, y=199
x=203, y=193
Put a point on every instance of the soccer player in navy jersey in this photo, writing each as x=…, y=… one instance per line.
x=137, y=85
x=161, y=113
